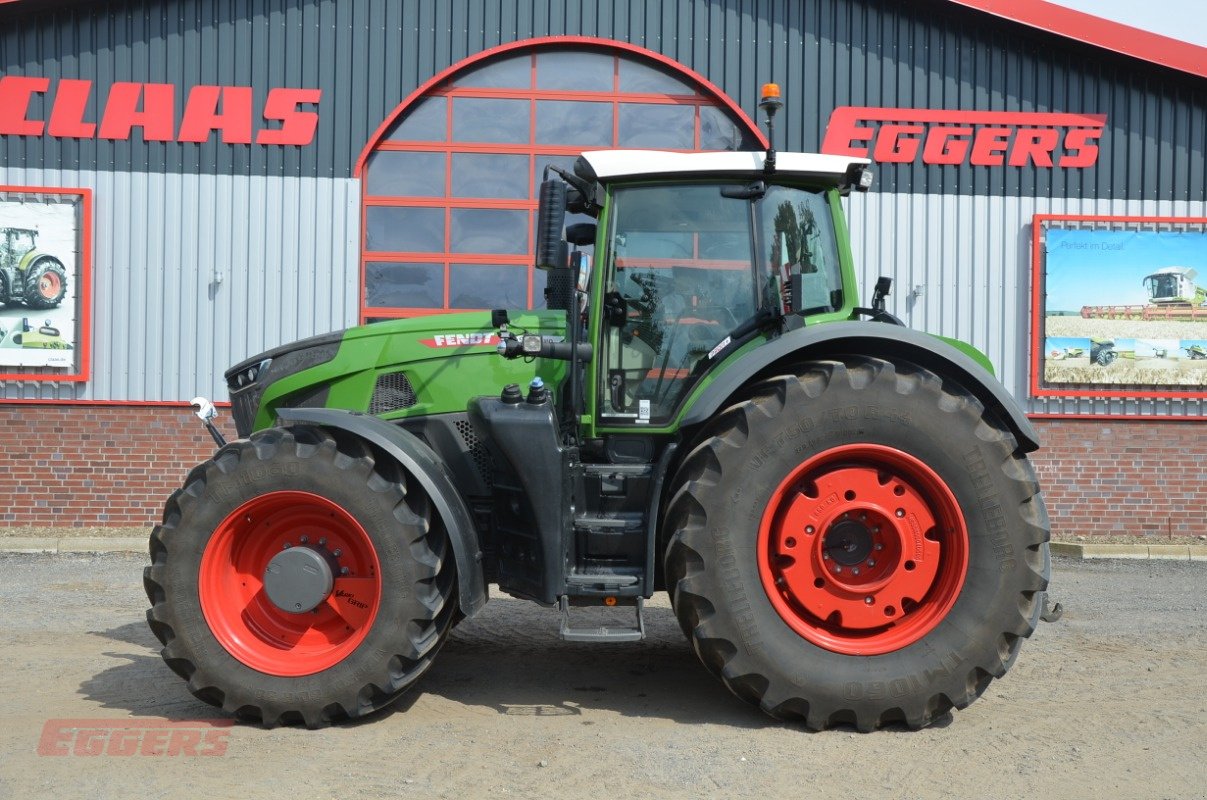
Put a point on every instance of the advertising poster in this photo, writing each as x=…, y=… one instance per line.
x=40, y=280
x=1124, y=308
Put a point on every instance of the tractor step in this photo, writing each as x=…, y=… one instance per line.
x=600, y=582
x=602, y=633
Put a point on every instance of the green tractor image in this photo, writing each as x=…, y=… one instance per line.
x=29, y=277
x=840, y=508
x=1196, y=352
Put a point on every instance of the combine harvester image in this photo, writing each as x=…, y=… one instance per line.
x=1172, y=293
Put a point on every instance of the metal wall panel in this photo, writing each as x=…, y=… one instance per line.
x=961, y=267
x=366, y=55
x=164, y=326
x=282, y=224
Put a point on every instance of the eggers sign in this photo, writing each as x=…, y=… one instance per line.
x=286, y=118
x=979, y=138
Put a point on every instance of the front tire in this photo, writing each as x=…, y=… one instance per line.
x=353, y=644
x=858, y=543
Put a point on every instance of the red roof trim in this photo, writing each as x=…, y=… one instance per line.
x=1099, y=32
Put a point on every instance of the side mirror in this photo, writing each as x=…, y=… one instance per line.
x=551, y=218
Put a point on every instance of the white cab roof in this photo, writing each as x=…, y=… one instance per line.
x=612, y=164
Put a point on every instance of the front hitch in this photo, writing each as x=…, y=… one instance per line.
x=206, y=412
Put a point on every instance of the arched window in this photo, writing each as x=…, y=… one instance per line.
x=449, y=183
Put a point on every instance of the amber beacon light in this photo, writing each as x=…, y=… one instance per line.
x=770, y=103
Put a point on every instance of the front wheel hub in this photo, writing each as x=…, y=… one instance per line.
x=863, y=549
x=298, y=579
x=290, y=583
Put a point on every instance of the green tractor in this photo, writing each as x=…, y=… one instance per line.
x=29, y=277
x=840, y=508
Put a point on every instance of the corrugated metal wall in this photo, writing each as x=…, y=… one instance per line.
x=961, y=267
x=194, y=273
x=281, y=223
x=367, y=55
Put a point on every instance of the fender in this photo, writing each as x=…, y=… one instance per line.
x=32, y=259
x=866, y=338
x=419, y=460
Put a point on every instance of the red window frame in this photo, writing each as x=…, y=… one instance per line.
x=443, y=85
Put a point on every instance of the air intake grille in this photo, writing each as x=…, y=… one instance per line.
x=477, y=450
x=392, y=392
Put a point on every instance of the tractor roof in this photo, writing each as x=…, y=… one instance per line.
x=608, y=165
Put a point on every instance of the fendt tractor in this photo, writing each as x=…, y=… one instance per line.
x=840, y=508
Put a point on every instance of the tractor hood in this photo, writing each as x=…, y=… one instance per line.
x=394, y=369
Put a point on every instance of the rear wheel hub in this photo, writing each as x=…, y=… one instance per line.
x=848, y=542
x=863, y=549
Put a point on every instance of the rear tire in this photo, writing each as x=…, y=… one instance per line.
x=46, y=284
x=386, y=611
x=912, y=490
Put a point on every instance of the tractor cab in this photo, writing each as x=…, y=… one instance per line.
x=695, y=256
x=16, y=242
x=697, y=253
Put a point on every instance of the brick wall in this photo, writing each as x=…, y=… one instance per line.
x=1104, y=477
x=113, y=466
x=96, y=466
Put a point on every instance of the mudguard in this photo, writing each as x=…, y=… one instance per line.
x=419, y=460
x=867, y=339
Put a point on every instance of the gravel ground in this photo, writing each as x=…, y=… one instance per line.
x=1105, y=703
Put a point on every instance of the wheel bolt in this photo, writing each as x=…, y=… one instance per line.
x=854, y=570
x=287, y=546
x=338, y=553
x=837, y=568
x=868, y=600
x=879, y=546
x=862, y=516
x=305, y=539
x=809, y=529
x=343, y=570
x=871, y=562
x=901, y=512
x=875, y=529
x=323, y=542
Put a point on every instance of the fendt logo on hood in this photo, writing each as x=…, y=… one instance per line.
x=980, y=138
x=461, y=340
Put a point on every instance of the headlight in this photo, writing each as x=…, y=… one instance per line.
x=248, y=376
